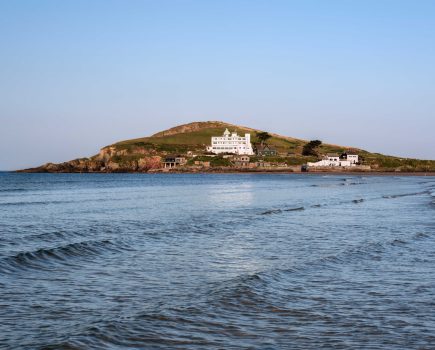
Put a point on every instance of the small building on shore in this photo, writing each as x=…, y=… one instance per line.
x=172, y=161
x=334, y=160
x=352, y=157
x=241, y=161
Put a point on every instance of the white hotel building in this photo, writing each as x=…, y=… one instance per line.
x=231, y=143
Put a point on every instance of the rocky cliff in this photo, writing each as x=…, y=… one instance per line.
x=107, y=161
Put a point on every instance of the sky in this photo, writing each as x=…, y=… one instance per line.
x=77, y=75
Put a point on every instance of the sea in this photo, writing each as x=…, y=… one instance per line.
x=216, y=261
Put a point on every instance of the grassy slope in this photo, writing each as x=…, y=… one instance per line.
x=195, y=136
x=198, y=139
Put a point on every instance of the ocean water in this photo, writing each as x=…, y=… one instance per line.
x=202, y=261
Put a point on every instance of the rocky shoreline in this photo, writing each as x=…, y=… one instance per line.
x=96, y=167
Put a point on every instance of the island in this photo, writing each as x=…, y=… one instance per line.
x=215, y=146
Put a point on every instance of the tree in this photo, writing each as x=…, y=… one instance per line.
x=310, y=148
x=263, y=136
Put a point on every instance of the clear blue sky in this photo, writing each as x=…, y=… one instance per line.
x=78, y=75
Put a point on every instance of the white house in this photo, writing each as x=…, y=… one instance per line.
x=231, y=143
x=352, y=158
x=334, y=160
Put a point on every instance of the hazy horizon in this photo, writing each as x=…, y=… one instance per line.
x=79, y=75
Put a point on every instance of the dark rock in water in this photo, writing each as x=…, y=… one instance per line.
x=358, y=200
x=275, y=211
x=295, y=209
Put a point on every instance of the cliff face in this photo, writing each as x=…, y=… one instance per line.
x=103, y=163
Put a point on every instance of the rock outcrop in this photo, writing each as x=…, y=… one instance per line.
x=101, y=164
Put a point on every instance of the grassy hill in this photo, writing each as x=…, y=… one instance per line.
x=196, y=136
x=146, y=153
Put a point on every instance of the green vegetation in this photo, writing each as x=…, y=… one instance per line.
x=196, y=140
x=386, y=163
x=289, y=160
x=132, y=147
x=192, y=161
x=127, y=159
x=219, y=161
x=309, y=149
x=262, y=136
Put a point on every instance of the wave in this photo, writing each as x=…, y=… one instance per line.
x=3, y=190
x=22, y=203
x=328, y=185
x=334, y=203
x=346, y=182
x=367, y=250
x=52, y=236
x=43, y=258
x=404, y=194
x=277, y=211
x=244, y=308
x=180, y=328
x=44, y=202
x=313, y=206
x=250, y=294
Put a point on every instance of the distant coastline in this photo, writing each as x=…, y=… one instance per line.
x=244, y=171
